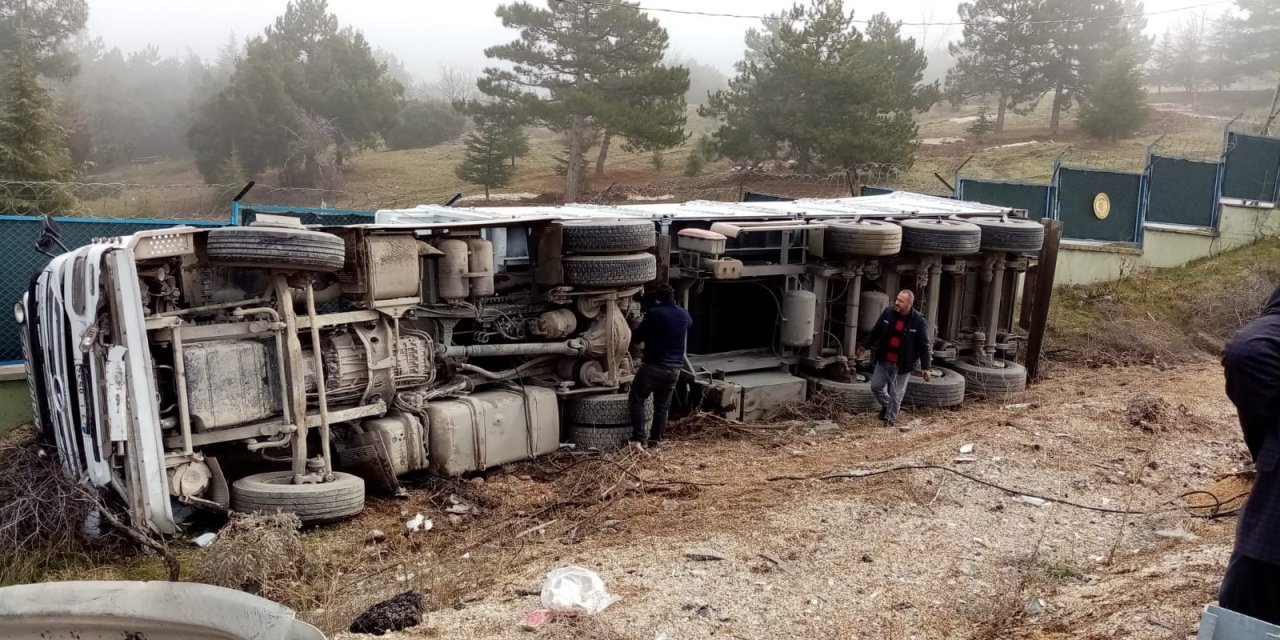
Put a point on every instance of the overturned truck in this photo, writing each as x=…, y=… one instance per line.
x=276, y=366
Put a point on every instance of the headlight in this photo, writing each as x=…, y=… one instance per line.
x=20, y=313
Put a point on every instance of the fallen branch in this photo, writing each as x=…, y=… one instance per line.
x=910, y=467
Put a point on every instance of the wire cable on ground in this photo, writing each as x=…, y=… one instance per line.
x=865, y=473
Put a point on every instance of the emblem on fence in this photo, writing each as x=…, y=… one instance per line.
x=1101, y=206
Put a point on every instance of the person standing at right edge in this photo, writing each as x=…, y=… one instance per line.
x=1251, y=365
x=663, y=331
x=899, y=339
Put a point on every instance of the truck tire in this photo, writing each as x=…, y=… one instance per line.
x=944, y=389
x=1001, y=382
x=604, y=409
x=1011, y=235
x=313, y=503
x=276, y=248
x=607, y=236
x=599, y=438
x=870, y=238
x=941, y=236
x=610, y=271
x=853, y=397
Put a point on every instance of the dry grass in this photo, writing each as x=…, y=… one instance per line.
x=1163, y=316
x=265, y=555
x=44, y=514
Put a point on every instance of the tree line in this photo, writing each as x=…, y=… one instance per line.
x=815, y=88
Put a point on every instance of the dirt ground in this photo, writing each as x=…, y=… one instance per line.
x=920, y=553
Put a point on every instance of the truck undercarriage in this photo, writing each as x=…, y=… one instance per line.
x=276, y=366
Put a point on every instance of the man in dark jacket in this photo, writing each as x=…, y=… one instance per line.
x=899, y=339
x=663, y=332
x=1251, y=364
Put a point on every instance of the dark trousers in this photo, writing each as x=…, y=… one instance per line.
x=1251, y=587
x=659, y=382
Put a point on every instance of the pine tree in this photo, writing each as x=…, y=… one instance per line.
x=32, y=145
x=580, y=67
x=1160, y=70
x=1000, y=54
x=1116, y=107
x=815, y=93
x=1080, y=35
x=1221, y=45
x=983, y=124
x=486, y=162
x=42, y=27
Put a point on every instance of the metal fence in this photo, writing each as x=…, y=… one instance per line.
x=20, y=260
x=1099, y=205
x=1252, y=168
x=1035, y=199
x=1182, y=191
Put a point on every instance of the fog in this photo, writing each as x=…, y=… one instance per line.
x=427, y=33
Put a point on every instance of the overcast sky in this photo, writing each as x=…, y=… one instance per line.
x=427, y=33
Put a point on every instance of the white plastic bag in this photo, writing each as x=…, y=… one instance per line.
x=574, y=589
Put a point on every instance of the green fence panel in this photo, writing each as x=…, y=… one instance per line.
x=1252, y=168
x=1182, y=191
x=332, y=217
x=19, y=260
x=1034, y=198
x=1117, y=221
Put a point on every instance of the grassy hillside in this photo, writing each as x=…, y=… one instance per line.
x=1024, y=151
x=1164, y=316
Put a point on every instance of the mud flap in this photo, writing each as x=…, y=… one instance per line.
x=367, y=457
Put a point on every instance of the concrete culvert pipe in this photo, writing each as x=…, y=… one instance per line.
x=111, y=610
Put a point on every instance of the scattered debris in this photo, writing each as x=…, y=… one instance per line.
x=1147, y=412
x=965, y=459
x=419, y=523
x=781, y=564
x=823, y=426
x=1037, y=502
x=375, y=536
x=393, y=614
x=966, y=448
x=1034, y=607
x=1019, y=406
x=536, y=619
x=461, y=507
x=205, y=539
x=703, y=555
x=1177, y=533
x=575, y=589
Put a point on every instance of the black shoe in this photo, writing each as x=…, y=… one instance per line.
x=882, y=412
x=653, y=444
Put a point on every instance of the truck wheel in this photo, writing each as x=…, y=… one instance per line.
x=604, y=409
x=1001, y=382
x=276, y=248
x=599, y=438
x=607, y=236
x=941, y=237
x=944, y=389
x=610, y=271
x=313, y=503
x=1011, y=235
x=853, y=397
x=869, y=238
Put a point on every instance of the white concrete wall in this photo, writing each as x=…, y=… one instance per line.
x=1164, y=246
